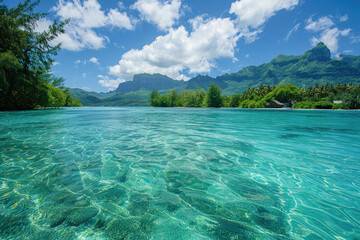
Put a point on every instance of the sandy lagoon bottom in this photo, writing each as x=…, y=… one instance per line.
x=153, y=173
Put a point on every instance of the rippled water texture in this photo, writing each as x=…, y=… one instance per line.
x=152, y=173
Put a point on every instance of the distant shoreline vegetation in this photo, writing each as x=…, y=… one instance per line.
x=341, y=96
x=26, y=58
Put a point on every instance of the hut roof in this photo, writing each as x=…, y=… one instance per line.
x=276, y=102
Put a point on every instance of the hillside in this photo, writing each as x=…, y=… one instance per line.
x=314, y=67
x=353, y=60
x=136, y=98
x=148, y=82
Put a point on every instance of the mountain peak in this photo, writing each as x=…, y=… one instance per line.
x=149, y=82
x=321, y=53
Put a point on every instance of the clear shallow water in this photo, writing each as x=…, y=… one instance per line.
x=152, y=173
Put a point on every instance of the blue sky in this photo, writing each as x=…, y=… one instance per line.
x=107, y=42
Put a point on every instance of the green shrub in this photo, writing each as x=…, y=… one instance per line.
x=322, y=105
x=303, y=105
x=340, y=106
x=261, y=104
x=245, y=103
x=284, y=93
x=213, y=96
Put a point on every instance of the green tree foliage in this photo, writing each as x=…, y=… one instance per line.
x=235, y=100
x=284, y=93
x=154, y=98
x=318, y=97
x=57, y=98
x=213, y=97
x=226, y=101
x=26, y=58
x=303, y=105
x=187, y=98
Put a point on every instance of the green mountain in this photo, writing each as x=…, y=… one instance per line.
x=204, y=82
x=148, y=82
x=352, y=60
x=136, y=98
x=314, y=67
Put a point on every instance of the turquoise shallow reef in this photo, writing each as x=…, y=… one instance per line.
x=153, y=173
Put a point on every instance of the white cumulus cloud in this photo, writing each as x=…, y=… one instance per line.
x=85, y=17
x=111, y=84
x=94, y=60
x=328, y=32
x=120, y=20
x=252, y=14
x=344, y=18
x=163, y=14
x=331, y=38
x=180, y=50
x=321, y=24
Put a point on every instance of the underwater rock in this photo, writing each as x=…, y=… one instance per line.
x=100, y=223
x=122, y=229
x=255, y=192
x=123, y=176
x=79, y=216
x=70, y=199
x=45, y=234
x=113, y=194
x=147, y=224
x=167, y=200
x=226, y=229
x=58, y=216
x=139, y=204
x=271, y=219
x=12, y=225
x=131, y=228
x=259, y=195
x=211, y=208
x=180, y=179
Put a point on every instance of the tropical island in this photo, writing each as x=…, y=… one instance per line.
x=284, y=95
x=313, y=80
x=164, y=153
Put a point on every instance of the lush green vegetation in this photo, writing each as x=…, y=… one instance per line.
x=314, y=67
x=188, y=98
x=26, y=58
x=346, y=96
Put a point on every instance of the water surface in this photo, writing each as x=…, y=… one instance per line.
x=153, y=173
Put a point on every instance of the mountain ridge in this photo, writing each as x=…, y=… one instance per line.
x=315, y=66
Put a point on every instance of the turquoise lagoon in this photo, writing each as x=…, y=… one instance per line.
x=154, y=173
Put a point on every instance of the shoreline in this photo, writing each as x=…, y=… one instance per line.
x=266, y=109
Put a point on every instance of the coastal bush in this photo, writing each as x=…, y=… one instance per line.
x=322, y=105
x=340, y=106
x=235, y=100
x=303, y=105
x=71, y=102
x=246, y=103
x=261, y=104
x=57, y=98
x=284, y=93
x=317, y=97
x=213, y=97
x=187, y=98
x=226, y=101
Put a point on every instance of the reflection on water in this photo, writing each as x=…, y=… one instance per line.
x=146, y=173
